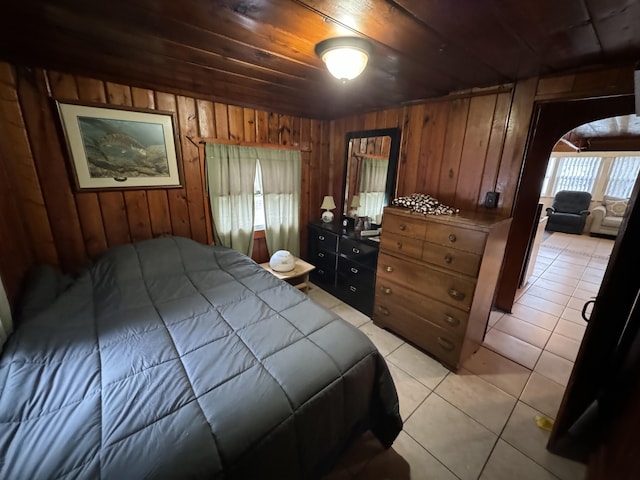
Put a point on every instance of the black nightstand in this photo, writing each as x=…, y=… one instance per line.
x=345, y=264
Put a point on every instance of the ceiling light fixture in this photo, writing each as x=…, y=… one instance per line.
x=345, y=57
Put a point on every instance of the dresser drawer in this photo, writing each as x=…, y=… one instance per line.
x=453, y=320
x=455, y=237
x=356, y=274
x=324, y=260
x=358, y=296
x=405, y=226
x=452, y=259
x=435, y=340
x=412, y=247
x=322, y=276
x=323, y=240
x=449, y=288
x=358, y=251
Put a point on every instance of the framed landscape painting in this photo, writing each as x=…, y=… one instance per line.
x=120, y=148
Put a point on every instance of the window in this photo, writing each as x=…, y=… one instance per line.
x=258, y=201
x=576, y=173
x=623, y=176
x=546, y=184
x=610, y=173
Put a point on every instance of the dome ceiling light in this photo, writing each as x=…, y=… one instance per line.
x=345, y=57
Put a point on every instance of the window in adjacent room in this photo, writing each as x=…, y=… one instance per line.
x=622, y=178
x=607, y=173
x=576, y=173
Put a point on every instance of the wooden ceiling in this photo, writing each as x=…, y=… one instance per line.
x=260, y=53
x=608, y=134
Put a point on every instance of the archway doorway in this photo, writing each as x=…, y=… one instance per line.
x=593, y=367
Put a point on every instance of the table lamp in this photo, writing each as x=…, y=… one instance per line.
x=355, y=204
x=327, y=204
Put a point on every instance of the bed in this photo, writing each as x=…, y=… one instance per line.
x=172, y=359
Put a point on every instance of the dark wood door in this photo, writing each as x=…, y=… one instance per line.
x=607, y=367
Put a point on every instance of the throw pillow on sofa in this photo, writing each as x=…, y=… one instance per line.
x=615, y=206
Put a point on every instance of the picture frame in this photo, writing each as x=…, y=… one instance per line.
x=112, y=147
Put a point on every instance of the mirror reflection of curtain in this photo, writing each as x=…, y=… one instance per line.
x=6, y=325
x=231, y=172
x=373, y=179
x=281, y=174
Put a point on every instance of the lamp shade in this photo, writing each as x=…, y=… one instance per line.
x=355, y=201
x=328, y=203
x=345, y=57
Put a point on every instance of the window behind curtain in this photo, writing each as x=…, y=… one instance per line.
x=623, y=176
x=577, y=174
x=258, y=200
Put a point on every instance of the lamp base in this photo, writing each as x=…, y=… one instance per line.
x=327, y=216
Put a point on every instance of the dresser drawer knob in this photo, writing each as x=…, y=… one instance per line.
x=388, y=268
x=402, y=226
x=320, y=271
x=385, y=290
x=399, y=245
x=321, y=255
x=354, y=270
x=383, y=310
x=445, y=344
x=321, y=238
x=448, y=258
x=453, y=293
x=355, y=250
x=452, y=237
x=454, y=322
x=352, y=288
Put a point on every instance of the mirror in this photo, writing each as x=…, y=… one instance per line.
x=371, y=163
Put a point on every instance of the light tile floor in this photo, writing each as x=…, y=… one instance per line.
x=480, y=422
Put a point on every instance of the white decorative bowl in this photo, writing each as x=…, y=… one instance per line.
x=282, y=261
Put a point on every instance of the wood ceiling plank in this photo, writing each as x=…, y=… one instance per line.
x=175, y=71
x=162, y=77
x=261, y=54
x=617, y=26
x=373, y=18
x=560, y=32
x=474, y=28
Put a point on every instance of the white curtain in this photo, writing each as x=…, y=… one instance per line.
x=373, y=179
x=231, y=172
x=6, y=324
x=281, y=172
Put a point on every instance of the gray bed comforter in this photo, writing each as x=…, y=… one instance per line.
x=172, y=359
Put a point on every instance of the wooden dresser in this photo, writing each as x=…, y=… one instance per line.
x=436, y=279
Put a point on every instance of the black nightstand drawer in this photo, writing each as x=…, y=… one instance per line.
x=355, y=273
x=321, y=276
x=358, y=296
x=323, y=240
x=358, y=251
x=324, y=259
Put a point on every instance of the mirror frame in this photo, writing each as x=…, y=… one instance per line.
x=392, y=170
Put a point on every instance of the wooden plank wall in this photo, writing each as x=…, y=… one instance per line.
x=66, y=228
x=451, y=147
x=459, y=147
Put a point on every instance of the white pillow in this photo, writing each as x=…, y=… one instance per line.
x=615, y=206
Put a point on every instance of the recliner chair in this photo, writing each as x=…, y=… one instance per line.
x=569, y=212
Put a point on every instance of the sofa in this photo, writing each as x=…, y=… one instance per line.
x=607, y=218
